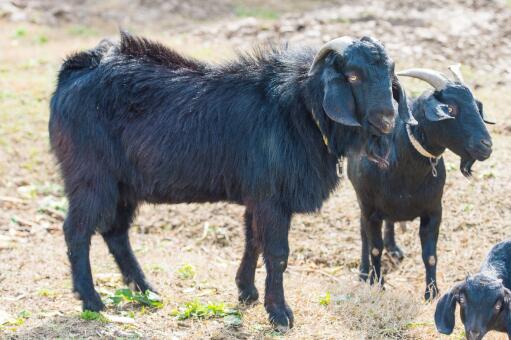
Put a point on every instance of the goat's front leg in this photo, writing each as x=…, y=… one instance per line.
x=272, y=222
x=364, y=256
x=429, y=229
x=372, y=228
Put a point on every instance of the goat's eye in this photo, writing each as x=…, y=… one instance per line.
x=452, y=110
x=352, y=78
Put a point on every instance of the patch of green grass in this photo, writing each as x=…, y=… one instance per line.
x=412, y=325
x=20, y=320
x=93, y=316
x=186, y=272
x=325, y=299
x=42, y=39
x=197, y=310
x=24, y=314
x=20, y=32
x=148, y=298
x=82, y=31
x=244, y=11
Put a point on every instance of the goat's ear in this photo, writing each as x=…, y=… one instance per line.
x=435, y=110
x=481, y=112
x=338, y=101
x=507, y=308
x=444, y=312
x=400, y=96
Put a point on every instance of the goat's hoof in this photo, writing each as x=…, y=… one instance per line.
x=396, y=254
x=431, y=293
x=362, y=276
x=248, y=295
x=93, y=304
x=141, y=286
x=281, y=318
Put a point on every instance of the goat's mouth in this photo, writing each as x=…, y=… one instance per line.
x=466, y=166
x=480, y=153
x=380, y=127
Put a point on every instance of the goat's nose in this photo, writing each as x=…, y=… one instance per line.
x=474, y=334
x=487, y=143
x=387, y=124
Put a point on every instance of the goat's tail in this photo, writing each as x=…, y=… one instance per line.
x=84, y=60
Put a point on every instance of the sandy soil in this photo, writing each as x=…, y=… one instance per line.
x=34, y=274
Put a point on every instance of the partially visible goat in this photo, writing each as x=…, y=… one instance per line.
x=412, y=186
x=484, y=298
x=136, y=121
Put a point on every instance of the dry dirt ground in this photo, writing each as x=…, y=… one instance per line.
x=35, y=287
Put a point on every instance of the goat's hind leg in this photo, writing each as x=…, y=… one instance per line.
x=389, y=241
x=246, y=272
x=88, y=209
x=117, y=240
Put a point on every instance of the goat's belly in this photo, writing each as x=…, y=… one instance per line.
x=403, y=207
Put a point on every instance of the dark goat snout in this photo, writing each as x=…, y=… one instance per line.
x=474, y=335
x=487, y=143
x=482, y=150
x=383, y=121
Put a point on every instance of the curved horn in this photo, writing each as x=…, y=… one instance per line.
x=433, y=78
x=456, y=72
x=338, y=45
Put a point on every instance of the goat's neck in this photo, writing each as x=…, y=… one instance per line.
x=407, y=154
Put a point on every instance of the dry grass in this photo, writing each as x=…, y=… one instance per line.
x=376, y=314
x=325, y=247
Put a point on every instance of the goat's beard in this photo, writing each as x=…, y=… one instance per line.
x=377, y=150
x=466, y=166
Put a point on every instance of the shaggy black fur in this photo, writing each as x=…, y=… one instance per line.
x=408, y=189
x=136, y=121
x=484, y=298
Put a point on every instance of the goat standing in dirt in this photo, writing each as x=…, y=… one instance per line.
x=412, y=185
x=137, y=122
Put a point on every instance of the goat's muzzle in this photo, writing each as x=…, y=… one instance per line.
x=480, y=150
x=381, y=123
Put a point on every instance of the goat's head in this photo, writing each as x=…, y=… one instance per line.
x=484, y=305
x=354, y=83
x=452, y=118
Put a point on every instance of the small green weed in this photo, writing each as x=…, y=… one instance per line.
x=82, y=31
x=325, y=299
x=93, y=316
x=45, y=292
x=42, y=39
x=198, y=310
x=20, y=32
x=126, y=295
x=186, y=272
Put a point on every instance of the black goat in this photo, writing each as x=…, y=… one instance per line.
x=136, y=121
x=412, y=185
x=484, y=298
